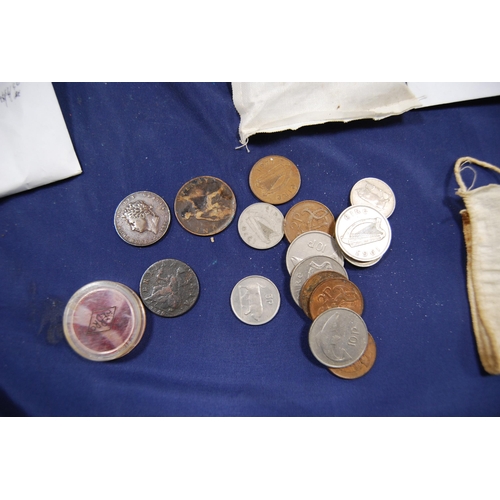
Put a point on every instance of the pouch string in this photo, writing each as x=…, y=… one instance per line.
x=459, y=166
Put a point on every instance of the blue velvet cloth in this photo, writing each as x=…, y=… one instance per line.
x=156, y=136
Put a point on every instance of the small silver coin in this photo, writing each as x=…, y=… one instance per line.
x=363, y=233
x=374, y=193
x=309, y=266
x=261, y=226
x=312, y=243
x=338, y=337
x=169, y=288
x=358, y=263
x=255, y=300
x=142, y=218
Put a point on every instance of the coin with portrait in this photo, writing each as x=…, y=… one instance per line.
x=142, y=218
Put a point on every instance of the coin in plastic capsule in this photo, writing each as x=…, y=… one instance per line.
x=104, y=320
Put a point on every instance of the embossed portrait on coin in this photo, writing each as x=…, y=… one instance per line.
x=141, y=217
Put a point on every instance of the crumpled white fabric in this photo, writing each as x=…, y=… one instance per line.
x=481, y=226
x=274, y=107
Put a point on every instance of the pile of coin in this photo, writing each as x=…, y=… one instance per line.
x=319, y=283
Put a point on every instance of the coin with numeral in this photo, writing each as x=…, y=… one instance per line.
x=169, y=288
x=142, y=218
x=362, y=366
x=308, y=215
x=255, y=300
x=338, y=337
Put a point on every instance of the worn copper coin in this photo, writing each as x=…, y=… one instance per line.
x=335, y=292
x=142, y=218
x=274, y=179
x=310, y=284
x=362, y=366
x=205, y=206
x=169, y=288
x=306, y=216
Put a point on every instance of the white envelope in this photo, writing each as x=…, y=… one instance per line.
x=35, y=146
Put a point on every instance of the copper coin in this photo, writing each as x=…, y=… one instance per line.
x=335, y=292
x=306, y=216
x=205, y=206
x=274, y=179
x=362, y=366
x=310, y=284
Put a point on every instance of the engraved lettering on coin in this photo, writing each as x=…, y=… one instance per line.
x=169, y=288
x=375, y=193
x=338, y=337
x=274, y=179
x=142, y=218
x=312, y=243
x=363, y=233
x=307, y=216
x=362, y=366
x=335, y=292
x=307, y=268
x=310, y=284
x=255, y=300
x=205, y=206
x=261, y=225
x=101, y=321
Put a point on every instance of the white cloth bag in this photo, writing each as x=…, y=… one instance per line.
x=274, y=107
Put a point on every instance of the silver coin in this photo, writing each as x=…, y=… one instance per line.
x=363, y=233
x=374, y=193
x=261, y=226
x=309, y=266
x=169, y=288
x=358, y=263
x=142, y=218
x=255, y=300
x=312, y=243
x=338, y=337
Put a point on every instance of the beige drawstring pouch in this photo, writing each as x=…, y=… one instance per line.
x=481, y=226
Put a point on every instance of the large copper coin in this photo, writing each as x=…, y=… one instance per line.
x=306, y=216
x=205, y=206
x=310, y=284
x=362, y=366
x=274, y=179
x=335, y=292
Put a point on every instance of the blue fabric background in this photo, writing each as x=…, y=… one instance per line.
x=156, y=136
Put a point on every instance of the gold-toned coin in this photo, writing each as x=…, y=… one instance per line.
x=335, y=292
x=308, y=215
x=274, y=179
x=205, y=206
x=310, y=284
x=362, y=366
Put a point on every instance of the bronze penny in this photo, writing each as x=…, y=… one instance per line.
x=205, y=206
x=335, y=292
x=310, y=284
x=306, y=216
x=362, y=366
x=274, y=179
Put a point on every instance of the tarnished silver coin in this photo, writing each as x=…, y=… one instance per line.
x=142, y=218
x=308, y=267
x=338, y=337
x=169, y=288
x=363, y=233
x=255, y=300
x=261, y=225
x=312, y=243
x=374, y=193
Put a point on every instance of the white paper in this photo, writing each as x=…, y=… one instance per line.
x=274, y=107
x=433, y=94
x=35, y=146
